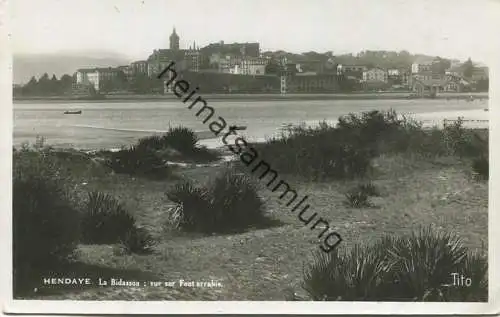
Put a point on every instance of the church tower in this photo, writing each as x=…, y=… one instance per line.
x=174, y=41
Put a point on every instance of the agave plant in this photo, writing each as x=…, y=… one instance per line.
x=356, y=198
x=360, y=274
x=229, y=203
x=105, y=220
x=181, y=138
x=423, y=262
x=414, y=267
x=138, y=240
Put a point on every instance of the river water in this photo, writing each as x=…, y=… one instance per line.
x=105, y=125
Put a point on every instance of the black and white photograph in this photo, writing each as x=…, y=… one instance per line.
x=250, y=156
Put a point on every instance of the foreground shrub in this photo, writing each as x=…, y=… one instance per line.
x=415, y=267
x=105, y=220
x=181, y=138
x=178, y=143
x=154, y=142
x=318, y=153
x=45, y=221
x=138, y=240
x=138, y=161
x=481, y=167
x=360, y=274
x=193, y=209
x=356, y=198
x=230, y=203
x=346, y=150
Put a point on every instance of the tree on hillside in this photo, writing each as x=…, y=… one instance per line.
x=441, y=65
x=272, y=68
x=468, y=68
x=44, y=84
x=54, y=85
x=31, y=88
x=65, y=83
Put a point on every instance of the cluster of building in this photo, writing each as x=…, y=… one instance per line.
x=424, y=74
x=298, y=76
x=234, y=58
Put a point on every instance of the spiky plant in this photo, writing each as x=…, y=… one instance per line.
x=361, y=274
x=481, y=167
x=192, y=210
x=104, y=219
x=369, y=189
x=356, y=198
x=229, y=203
x=423, y=262
x=180, y=138
x=138, y=240
x=413, y=267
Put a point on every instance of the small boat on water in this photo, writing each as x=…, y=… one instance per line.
x=236, y=127
x=73, y=112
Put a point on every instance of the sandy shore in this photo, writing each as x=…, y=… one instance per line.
x=255, y=97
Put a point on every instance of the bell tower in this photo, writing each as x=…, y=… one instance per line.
x=174, y=41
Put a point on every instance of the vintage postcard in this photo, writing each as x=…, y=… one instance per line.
x=285, y=156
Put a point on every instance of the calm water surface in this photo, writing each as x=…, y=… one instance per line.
x=112, y=125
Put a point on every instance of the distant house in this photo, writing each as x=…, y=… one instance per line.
x=353, y=71
x=480, y=73
x=138, y=67
x=455, y=70
x=429, y=83
x=349, y=69
x=375, y=75
x=422, y=64
x=96, y=77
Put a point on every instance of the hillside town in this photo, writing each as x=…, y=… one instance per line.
x=244, y=68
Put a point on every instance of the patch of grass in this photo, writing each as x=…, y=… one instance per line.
x=414, y=267
x=229, y=203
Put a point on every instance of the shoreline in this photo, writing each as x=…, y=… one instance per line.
x=258, y=97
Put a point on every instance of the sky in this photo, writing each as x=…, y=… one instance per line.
x=448, y=28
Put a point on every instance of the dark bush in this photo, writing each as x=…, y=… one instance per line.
x=154, y=142
x=178, y=143
x=138, y=240
x=180, y=138
x=357, y=198
x=369, y=188
x=229, y=204
x=415, y=267
x=318, y=153
x=193, y=209
x=481, y=167
x=45, y=221
x=138, y=161
x=236, y=202
x=360, y=274
x=105, y=220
